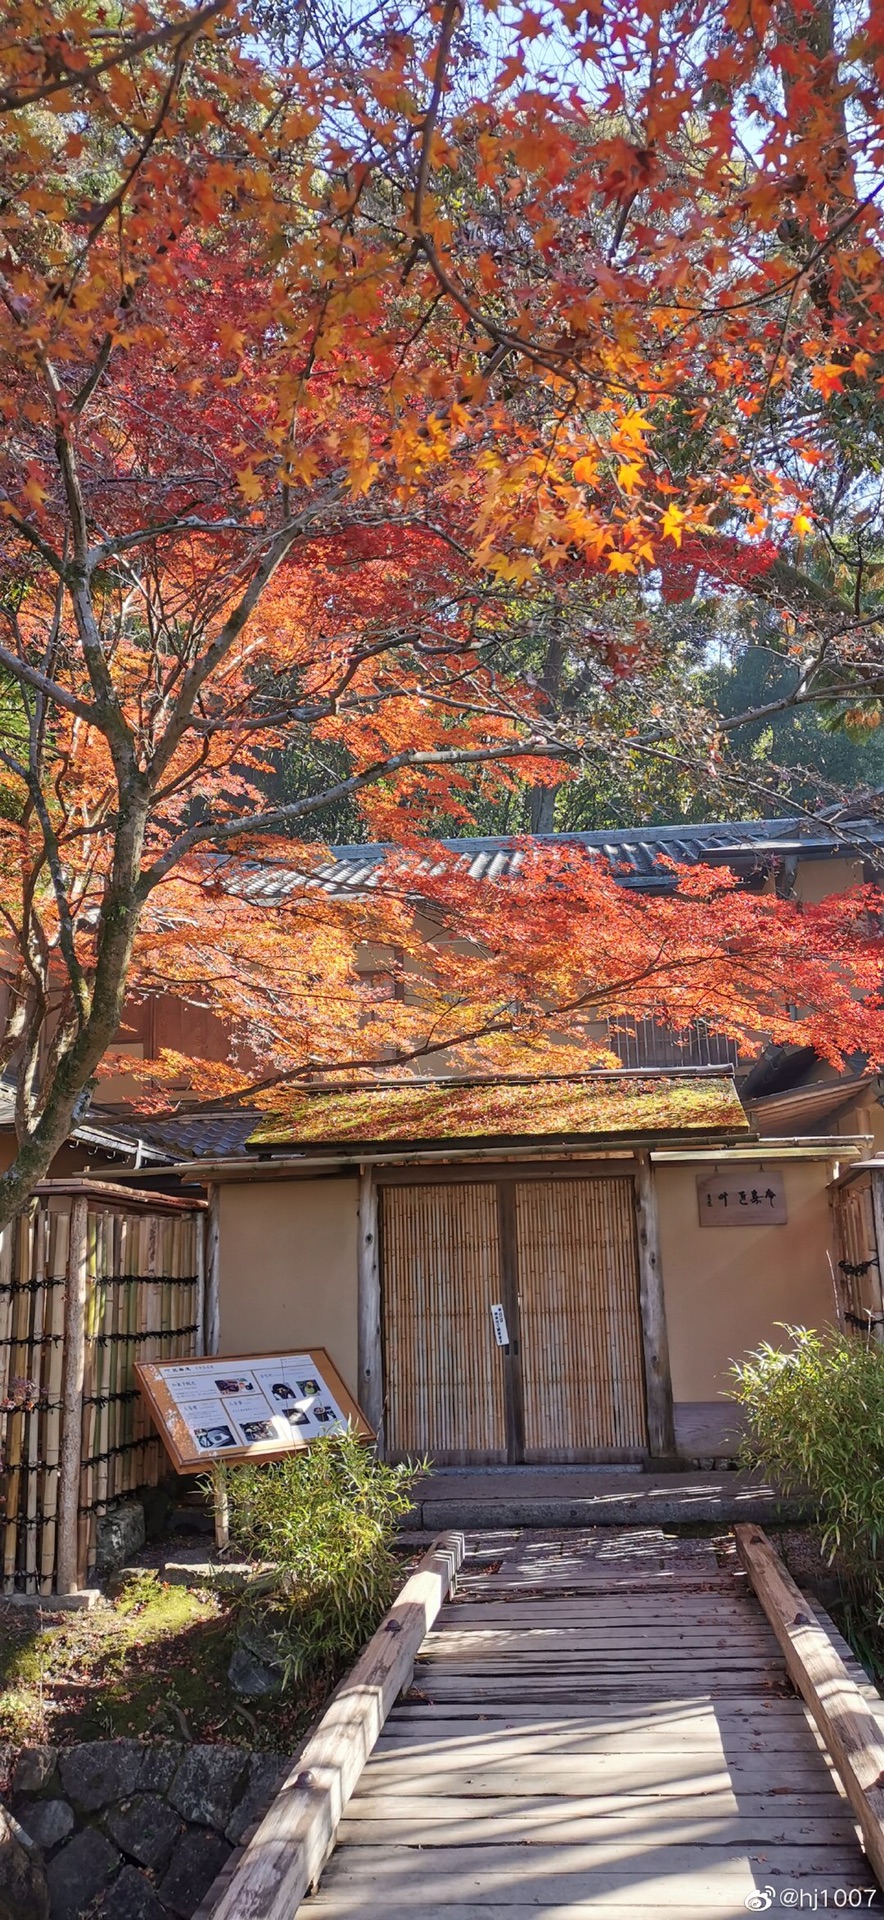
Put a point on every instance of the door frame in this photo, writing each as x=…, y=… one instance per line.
x=639, y=1170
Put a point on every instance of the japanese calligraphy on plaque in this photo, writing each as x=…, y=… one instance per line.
x=742, y=1197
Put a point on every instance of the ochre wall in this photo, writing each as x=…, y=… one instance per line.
x=288, y=1268
x=726, y=1287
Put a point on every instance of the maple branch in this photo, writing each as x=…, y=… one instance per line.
x=197, y=675
x=78, y=77
x=66, y=935
x=32, y=677
x=450, y=17
x=183, y=524
x=411, y=758
x=33, y=538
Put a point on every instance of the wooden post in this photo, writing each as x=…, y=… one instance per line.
x=72, y=1401
x=221, y=1505
x=877, y=1184
x=213, y=1272
x=370, y=1385
x=850, y=1730
x=658, y=1379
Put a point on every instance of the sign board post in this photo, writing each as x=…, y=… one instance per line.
x=221, y=1505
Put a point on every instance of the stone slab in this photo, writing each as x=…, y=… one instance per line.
x=195, y=1863
x=265, y=1775
x=146, y=1828
x=80, y=1872
x=81, y=1602
x=591, y=1497
x=23, y=1889
x=33, y=1768
x=48, y=1822
x=131, y=1897
x=207, y=1784
x=99, y=1772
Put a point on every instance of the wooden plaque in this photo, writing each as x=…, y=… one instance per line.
x=246, y=1406
x=742, y=1197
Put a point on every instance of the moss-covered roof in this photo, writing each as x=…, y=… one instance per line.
x=595, y=1107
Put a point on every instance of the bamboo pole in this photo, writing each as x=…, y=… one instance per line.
x=7, y=1268
x=90, y=1423
x=20, y=1354
x=59, y=1240
x=198, y=1268
x=7, y=1256
x=72, y=1399
x=135, y=1461
x=152, y=1347
x=38, y=1373
x=143, y=1429
x=116, y=1311
x=101, y=1325
x=213, y=1272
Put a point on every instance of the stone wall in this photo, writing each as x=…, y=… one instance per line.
x=135, y=1830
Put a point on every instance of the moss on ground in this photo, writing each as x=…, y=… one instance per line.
x=152, y=1663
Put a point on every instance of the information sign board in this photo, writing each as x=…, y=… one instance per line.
x=254, y=1406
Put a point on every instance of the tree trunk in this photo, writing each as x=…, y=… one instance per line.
x=542, y=800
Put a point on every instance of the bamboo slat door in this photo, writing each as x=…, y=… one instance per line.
x=583, y=1391
x=444, y=1372
x=561, y=1257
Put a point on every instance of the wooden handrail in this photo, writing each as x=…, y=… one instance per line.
x=849, y=1728
x=287, y=1852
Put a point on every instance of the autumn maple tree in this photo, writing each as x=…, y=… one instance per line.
x=327, y=339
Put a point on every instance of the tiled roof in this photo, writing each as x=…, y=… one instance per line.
x=184, y=1136
x=637, y=854
x=591, y=1107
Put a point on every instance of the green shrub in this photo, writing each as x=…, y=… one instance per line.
x=815, y=1420
x=326, y=1519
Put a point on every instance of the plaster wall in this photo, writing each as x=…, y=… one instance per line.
x=727, y=1287
x=288, y=1274
x=817, y=879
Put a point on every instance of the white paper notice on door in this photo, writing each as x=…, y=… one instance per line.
x=498, y=1321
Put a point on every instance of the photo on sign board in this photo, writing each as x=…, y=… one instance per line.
x=203, y=1413
x=254, y=1430
x=242, y=1408
x=279, y=1379
x=298, y=1417
x=308, y=1387
x=234, y=1384
x=213, y=1439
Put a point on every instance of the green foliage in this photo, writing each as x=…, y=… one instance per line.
x=326, y=1519
x=815, y=1418
x=813, y=747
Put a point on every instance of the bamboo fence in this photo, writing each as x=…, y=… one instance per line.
x=858, y=1214
x=92, y=1278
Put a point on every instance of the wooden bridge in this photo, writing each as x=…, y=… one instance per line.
x=599, y=1724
